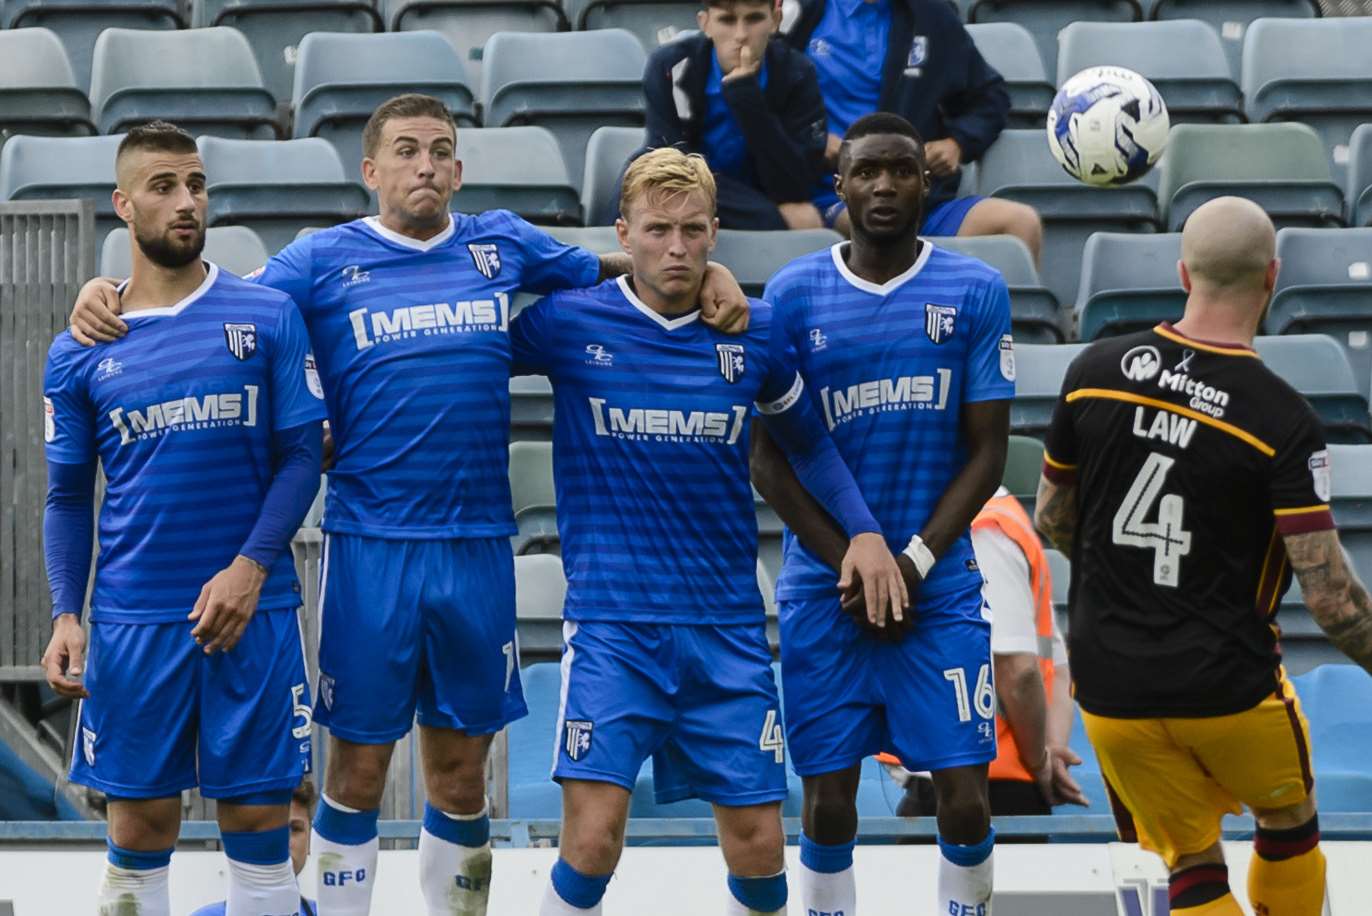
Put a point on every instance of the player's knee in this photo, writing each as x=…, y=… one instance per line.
x=592, y=848
x=1287, y=818
x=832, y=814
x=145, y=826
x=964, y=810
x=755, y=847
x=358, y=782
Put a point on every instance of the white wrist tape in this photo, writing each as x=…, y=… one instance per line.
x=920, y=555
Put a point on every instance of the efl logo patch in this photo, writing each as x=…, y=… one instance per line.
x=312, y=377
x=241, y=339
x=49, y=420
x=1007, y=357
x=730, y=361
x=1319, y=474
x=576, y=738
x=486, y=258
x=939, y=321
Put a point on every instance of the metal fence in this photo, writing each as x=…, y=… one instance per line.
x=1347, y=7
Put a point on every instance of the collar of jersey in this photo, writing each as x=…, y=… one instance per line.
x=374, y=224
x=1165, y=329
x=891, y=285
x=166, y=311
x=667, y=324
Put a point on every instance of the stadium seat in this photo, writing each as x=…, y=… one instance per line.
x=1020, y=167
x=606, y=154
x=78, y=22
x=1128, y=282
x=60, y=168
x=534, y=498
x=1060, y=569
x=236, y=249
x=1360, y=177
x=204, y=80
x=1045, y=18
x=653, y=22
x=755, y=256
x=532, y=793
x=276, y=188
x=1315, y=365
x=540, y=588
x=274, y=29
x=1337, y=700
x=570, y=83
x=38, y=92
x=1325, y=287
x=1039, y=370
x=1316, y=71
x=340, y=79
x=1010, y=49
x=1183, y=59
x=1230, y=18
x=515, y=168
x=1023, y=465
x=1281, y=167
x=531, y=408
x=1033, y=309
x=469, y=24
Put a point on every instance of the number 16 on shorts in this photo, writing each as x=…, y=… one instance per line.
x=982, y=698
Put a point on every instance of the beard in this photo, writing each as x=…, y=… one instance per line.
x=164, y=252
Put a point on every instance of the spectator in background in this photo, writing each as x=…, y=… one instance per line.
x=302, y=815
x=1030, y=773
x=748, y=104
x=914, y=58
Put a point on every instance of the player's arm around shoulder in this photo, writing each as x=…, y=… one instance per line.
x=1337, y=599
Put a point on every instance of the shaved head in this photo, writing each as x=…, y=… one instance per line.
x=1227, y=245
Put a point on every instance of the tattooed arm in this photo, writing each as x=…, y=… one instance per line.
x=1055, y=513
x=1338, y=601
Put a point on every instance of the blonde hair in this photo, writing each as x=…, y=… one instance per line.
x=666, y=170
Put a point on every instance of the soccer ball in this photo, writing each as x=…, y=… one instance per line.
x=1107, y=126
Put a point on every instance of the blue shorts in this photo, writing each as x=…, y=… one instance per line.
x=700, y=700
x=929, y=699
x=945, y=219
x=163, y=716
x=416, y=625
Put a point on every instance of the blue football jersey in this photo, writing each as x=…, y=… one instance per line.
x=650, y=452
x=414, y=353
x=890, y=366
x=180, y=413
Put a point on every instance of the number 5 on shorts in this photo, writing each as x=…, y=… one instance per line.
x=985, y=696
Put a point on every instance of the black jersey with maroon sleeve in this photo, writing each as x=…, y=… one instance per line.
x=1191, y=461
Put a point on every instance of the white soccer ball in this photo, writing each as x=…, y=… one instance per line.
x=1107, y=126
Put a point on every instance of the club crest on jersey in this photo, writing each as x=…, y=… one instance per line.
x=919, y=53
x=730, y=361
x=88, y=745
x=326, y=686
x=939, y=321
x=486, y=258
x=241, y=339
x=576, y=738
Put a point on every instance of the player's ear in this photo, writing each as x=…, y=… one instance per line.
x=1185, y=276
x=123, y=207
x=838, y=187
x=1273, y=269
x=457, y=175
x=622, y=233
x=702, y=17
x=714, y=232
x=369, y=173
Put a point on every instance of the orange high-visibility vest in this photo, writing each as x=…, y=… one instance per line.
x=1005, y=514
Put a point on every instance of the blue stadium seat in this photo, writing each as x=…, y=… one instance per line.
x=340, y=79
x=78, y=22
x=607, y=152
x=1316, y=71
x=653, y=22
x=1325, y=287
x=278, y=187
x=1039, y=369
x=1010, y=49
x=59, y=168
x=540, y=588
x=570, y=83
x=1281, y=167
x=1128, y=282
x=469, y=24
x=274, y=29
x=1088, y=774
x=534, y=498
x=1230, y=18
x=531, y=408
x=1337, y=700
x=204, y=80
x=533, y=794
x=38, y=92
x=1184, y=60
x=1045, y=18
x=516, y=168
x=755, y=256
x=1023, y=465
x=1360, y=177
x=1316, y=366
x=1019, y=167
x=1060, y=569
x=236, y=249
x=1034, y=310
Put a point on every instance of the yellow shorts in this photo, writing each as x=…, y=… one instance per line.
x=1171, y=780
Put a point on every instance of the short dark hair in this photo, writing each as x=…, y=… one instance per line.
x=716, y=4
x=158, y=136
x=304, y=794
x=881, y=122
x=409, y=105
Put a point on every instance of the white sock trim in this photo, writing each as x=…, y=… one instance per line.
x=338, y=806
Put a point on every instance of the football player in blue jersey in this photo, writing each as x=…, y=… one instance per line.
x=907, y=350
x=650, y=455
x=409, y=314
x=206, y=419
